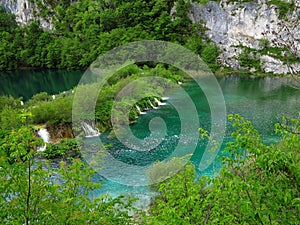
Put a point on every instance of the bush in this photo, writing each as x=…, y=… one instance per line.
x=9, y=102
x=39, y=97
x=58, y=111
x=283, y=6
x=209, y=55
x=66, y=147
x=258, y=184
x=249, y=60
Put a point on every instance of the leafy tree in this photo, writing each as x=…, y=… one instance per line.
x=32, y=33
x=259, y=184
x=18, y=147
x=7, y=51
x=7, y=21
x=35, y=193
x=209, y=55
x=181, y=200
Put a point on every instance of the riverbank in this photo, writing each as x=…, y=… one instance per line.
x=56, y=110
x=247, y=73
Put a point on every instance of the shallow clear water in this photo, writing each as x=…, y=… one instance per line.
x=263, y=101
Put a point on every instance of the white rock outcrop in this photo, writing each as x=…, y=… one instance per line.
x=229, y=25
x=233, y=24
x=24, y=12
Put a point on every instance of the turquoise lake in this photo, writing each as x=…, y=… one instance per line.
x=263, y=101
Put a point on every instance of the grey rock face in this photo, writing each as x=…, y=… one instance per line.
x=24, y=11
x=231, y=25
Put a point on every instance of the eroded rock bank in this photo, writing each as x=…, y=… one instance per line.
x=59, y=131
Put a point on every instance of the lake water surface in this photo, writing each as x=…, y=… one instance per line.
x=26, y=83
x=263, y=101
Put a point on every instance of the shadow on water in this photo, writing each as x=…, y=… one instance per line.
x=26, y=83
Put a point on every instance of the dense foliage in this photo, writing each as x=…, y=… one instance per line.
x=86, y=29
x=35, y=193
x=260, y=184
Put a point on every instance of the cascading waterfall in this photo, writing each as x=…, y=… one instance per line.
x=139, y=110
x=152, y=105
x=44, y=134
x=89, y=130
x=158, y=102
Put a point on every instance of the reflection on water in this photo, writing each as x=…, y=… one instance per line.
x=26, y=83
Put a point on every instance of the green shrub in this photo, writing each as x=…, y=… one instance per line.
x=9, y=102
x=248, y=59
x=284, y=7
x=264, y=43
x=209, y=54
x=39, y=97
x=58, y=111
x=66, y=147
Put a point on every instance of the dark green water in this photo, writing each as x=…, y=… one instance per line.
x=26, y=83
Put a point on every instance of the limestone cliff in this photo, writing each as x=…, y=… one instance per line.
x=21, y=8
x=24, y=11
x=231, y=25
x=246, y=24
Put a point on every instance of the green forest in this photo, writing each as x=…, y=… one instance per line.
x=258, y=183
x=86, y=29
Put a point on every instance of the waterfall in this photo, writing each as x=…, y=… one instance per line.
x=139, y=110
x=165, y=98
x=152, y=105
x=158, y=102
x=44, y=134
x=89, y=130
